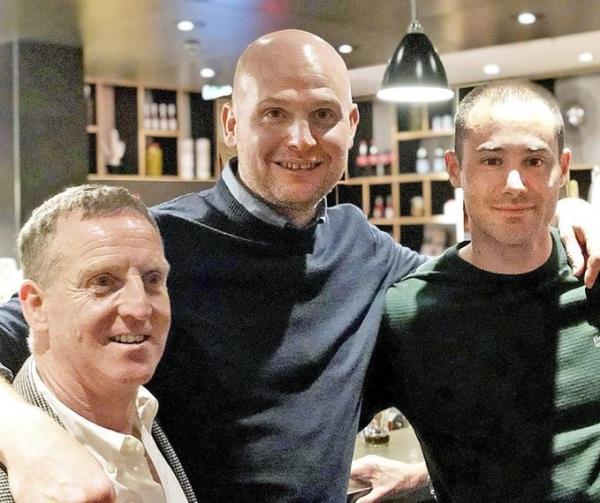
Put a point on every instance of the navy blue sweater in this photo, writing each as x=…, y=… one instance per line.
x=272, y=331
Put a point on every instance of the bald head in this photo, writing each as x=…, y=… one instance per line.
x=291, y=121
x=290, y=54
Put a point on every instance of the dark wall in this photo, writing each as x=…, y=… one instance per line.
x=8, y=221
x=53, y=141
x=43, y=143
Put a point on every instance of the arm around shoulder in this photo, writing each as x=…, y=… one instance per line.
x=580, y=232
x=13, y=337
x=44, y=462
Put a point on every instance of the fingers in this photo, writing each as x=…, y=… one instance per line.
x=573, y=249
x=592, y=270
x=377, y=494
x=363, y=468
x=592, y=241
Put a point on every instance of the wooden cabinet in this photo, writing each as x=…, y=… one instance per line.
x=144, y=120
x=408, y=178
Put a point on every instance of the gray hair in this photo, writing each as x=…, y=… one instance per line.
x=500, y=92
x=91, y=201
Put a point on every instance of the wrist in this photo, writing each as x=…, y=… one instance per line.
x=420, y=475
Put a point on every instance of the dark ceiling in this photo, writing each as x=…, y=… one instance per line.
x=138, y=39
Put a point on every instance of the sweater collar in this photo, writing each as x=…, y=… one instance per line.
x=450, y=267
x=257, y=206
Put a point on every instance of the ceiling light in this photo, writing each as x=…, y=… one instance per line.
x=585, y=57
x=415, y=73
x=491, y=69
x=207, y=73
x=185, y=25
x=526, y=18
x=345, y=49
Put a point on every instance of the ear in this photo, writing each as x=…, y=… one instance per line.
x=228, y=123
x=565, y=162
x=33, y=303
x=453, y=168
x=354, y=119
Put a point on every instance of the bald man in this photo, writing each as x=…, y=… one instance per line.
x=276, y=299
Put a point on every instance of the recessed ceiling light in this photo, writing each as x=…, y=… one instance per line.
x=491, y=69
x=207, y=73
x=527, y=18
x=345, y=49
x=585, y=57
x=185, y=25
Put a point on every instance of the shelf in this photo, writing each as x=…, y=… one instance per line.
x=402, y=178
x=422, y=134
x=140, y=178
x=120, y=105
x=581, y=167
x=160, y=133
x=434, y=219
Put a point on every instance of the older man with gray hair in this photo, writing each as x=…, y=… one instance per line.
x=96, y=301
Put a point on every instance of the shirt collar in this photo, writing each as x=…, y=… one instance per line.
x=256, y=206
x=106, y=442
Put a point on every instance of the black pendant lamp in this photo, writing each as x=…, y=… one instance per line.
x=415, y=73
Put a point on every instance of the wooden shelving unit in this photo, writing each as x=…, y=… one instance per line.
x=120, y=105
x=401, y=184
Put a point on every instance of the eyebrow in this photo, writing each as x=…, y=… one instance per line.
x=282, y=101
x=486, y=147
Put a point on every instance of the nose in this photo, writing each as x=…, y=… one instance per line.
x=300, y=135
x=134, y=301
x=514, y=182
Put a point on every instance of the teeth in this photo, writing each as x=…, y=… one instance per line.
x=129, y=339
x=298, y=165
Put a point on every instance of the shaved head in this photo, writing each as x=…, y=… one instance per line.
x=289, y=52
x=291, y=120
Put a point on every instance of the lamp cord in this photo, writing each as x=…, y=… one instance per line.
x=413, y=10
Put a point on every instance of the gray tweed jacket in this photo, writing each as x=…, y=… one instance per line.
x=25, y=386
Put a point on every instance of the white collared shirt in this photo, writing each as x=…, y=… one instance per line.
x=123, y=456
x=256, y=206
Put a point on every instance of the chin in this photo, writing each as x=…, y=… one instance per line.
x=137, y=376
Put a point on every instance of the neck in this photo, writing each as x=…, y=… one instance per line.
x=300, y=218
x=507, y=258
x=115, y=410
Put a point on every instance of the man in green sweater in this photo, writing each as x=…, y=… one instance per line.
x=493, y=350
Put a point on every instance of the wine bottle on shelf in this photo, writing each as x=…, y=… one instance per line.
x=362, y=159
x=389, y=207
x=373, y=157
x=378, y=207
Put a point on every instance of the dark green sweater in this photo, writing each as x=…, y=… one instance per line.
x=500, y=377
